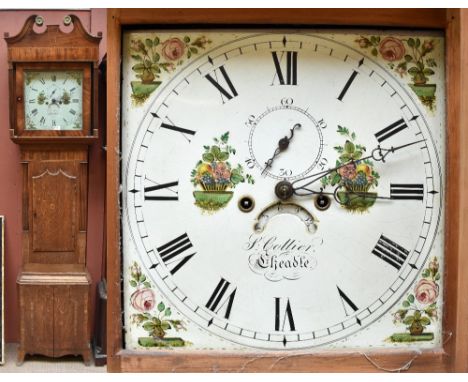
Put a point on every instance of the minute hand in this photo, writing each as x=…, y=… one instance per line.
x=378, y=154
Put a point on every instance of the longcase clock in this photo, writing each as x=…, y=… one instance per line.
x=53, y=110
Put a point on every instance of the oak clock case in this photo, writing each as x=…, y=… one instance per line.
x=282, y=190
x=52, y=77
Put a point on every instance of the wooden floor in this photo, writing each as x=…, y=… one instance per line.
x=40, y=364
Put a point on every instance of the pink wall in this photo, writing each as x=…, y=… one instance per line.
x=10, y=176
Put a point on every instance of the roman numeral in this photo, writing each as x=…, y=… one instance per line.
x=291, y=68
x=225, y=93
x=32, y=101
x=74, y=100
x=42, y=121
x=407, y=191
x=390, y=252
x=347, y=85
x=281, y=316
x=390, y=130
x=161, y=187
x=54, y=77
x=53, y=122
x=176, y=128
x=222, y=296
x=174, y=253
x=347, y=303
x=171, y=126
x=73, y=112
x=72, y=90
x=42, y=81
x=34, y=112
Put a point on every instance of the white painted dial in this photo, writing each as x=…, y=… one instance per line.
x=53, y=100
x=201, y=145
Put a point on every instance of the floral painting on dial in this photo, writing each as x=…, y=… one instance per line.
x=153, y=316
x=419, y=310
x=151, y=57
x=355, y=176
x=216, y=176
x=409, y=57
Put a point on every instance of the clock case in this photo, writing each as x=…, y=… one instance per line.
x=453, y=356
x=54, y=285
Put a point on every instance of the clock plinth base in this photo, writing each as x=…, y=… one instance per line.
x=54, y=314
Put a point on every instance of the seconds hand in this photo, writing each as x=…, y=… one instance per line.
x=378, y=154
x=283, y=144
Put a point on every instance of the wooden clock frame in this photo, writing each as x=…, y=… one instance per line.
x=454, y=354
x=45, y=67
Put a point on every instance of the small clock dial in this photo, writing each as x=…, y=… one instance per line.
x=53, y=100
x=323, y=119
x=298, y=136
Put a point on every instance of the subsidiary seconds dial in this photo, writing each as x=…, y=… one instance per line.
x=290, y=123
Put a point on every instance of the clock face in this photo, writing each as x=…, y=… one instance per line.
x=53, y=100
x=207, y=229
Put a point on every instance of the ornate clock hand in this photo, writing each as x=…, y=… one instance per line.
x=378, y=154
x=283, y=144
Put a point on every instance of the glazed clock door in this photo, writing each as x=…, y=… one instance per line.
x=53, y=100
x=282, y=190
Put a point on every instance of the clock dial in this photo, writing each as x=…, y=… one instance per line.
x=327, y=121
x=53, y=100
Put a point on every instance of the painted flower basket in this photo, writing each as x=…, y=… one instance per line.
x=356, y=202
x=161, y=342
x=425, y=92
x=141, y=91
x=354, y=176
x=212, y=200
x=217, y=176
x=407, y=337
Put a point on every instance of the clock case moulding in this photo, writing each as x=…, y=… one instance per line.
x=454, y=355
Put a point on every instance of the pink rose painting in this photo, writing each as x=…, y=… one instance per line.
x=143, y=300
x=392, y=49
x=173, y=49
x=426, y=291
